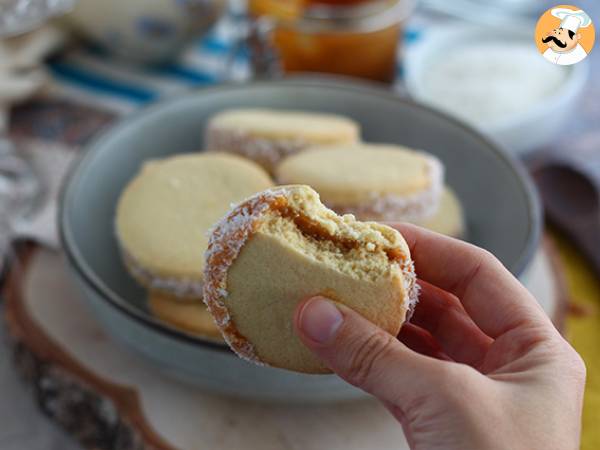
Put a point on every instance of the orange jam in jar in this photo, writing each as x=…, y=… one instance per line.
x=348, y=37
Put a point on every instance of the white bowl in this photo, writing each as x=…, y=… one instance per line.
x=519, y=133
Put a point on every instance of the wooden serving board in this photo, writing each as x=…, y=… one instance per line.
x=109, y=398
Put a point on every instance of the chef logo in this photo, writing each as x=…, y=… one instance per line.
x=565, y=35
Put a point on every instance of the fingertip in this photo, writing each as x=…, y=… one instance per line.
x=400, y=226
x=298, y=313
x=317, y=319
x=409, y=231
x=300, y=308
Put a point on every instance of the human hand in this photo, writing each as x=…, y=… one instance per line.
x=479, y=365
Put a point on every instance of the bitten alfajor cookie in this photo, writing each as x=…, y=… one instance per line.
x=372, y=181
x=164, y=213
x=281, y=246
x=191, y=317
x=266, y=136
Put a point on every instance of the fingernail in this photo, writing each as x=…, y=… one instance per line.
x=320, y=319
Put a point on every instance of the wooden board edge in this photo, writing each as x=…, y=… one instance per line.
x=100, y=414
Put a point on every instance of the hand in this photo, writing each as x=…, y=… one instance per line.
x=479, y=366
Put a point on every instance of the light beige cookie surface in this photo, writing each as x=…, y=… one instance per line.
x=165, y=212
x=372, y=181
x=190, y=317
x=449, y=218
x=267, y=135
x=281, y=246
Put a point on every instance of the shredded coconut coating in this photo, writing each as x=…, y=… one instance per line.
x=224, y=245
x=183, y=289
x=266, y=151
x=411, y=287
x=393, y=207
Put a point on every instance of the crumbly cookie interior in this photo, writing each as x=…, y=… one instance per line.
x=352, y=260
x=364, y=250
x=367, y=259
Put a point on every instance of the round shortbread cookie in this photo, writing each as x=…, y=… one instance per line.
x=449, y=219
x=266, y=136
x=190, y=317
x=164, y=214
x=372, y=181
x=281, y=246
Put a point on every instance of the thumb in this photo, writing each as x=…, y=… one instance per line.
x=362, y=353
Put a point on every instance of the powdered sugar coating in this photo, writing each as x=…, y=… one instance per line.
x=265, y=151
x=179, y=288
x=394, y=207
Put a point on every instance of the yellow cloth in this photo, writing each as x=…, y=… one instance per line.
x=583, y=331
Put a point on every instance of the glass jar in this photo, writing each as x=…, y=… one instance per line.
x=348, y=37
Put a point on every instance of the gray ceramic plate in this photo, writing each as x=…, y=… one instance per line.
x=502, y=214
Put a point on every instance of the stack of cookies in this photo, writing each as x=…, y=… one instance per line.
x=166, y=213
x=162, y=223
x=380, y=182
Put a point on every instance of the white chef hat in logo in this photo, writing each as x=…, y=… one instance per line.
x=572, y=20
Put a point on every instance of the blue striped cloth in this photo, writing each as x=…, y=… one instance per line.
x=90, y=73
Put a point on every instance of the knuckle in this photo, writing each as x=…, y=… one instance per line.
x=488, y=258
x=481, y=259
x=577, y=367
x=366, y=355
x=570, y=363
x=452, y=307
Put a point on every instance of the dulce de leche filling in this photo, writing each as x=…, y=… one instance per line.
x=313, y=229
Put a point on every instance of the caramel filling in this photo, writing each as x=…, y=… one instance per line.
x=313, y=229
x=394, y=254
